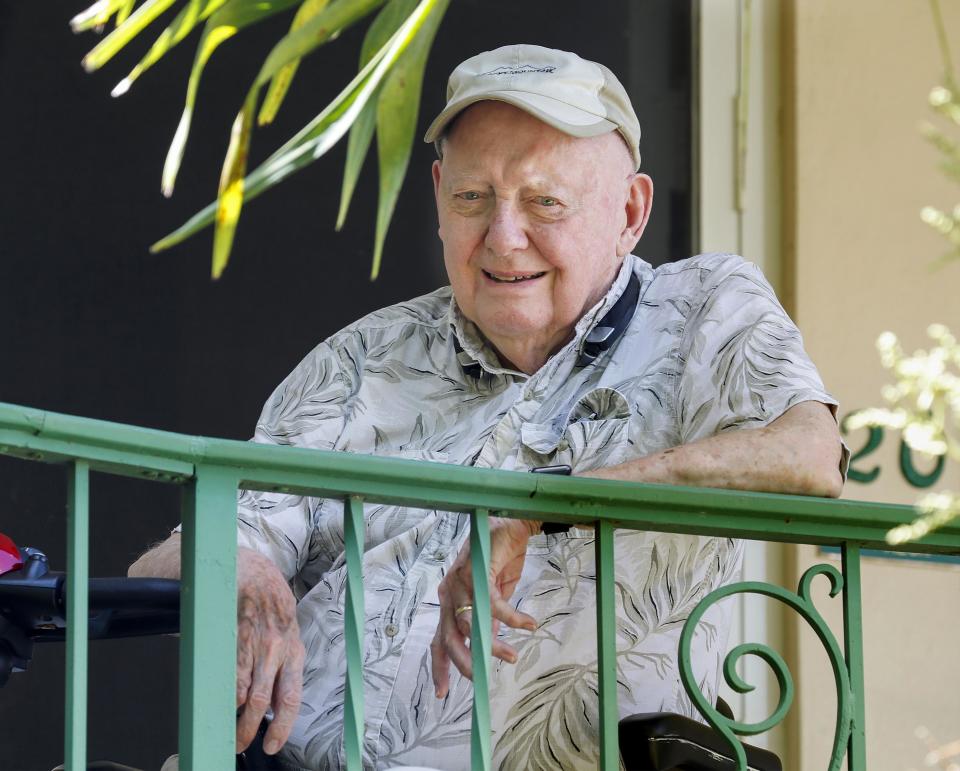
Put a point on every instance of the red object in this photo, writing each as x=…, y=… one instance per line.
x=9, y=555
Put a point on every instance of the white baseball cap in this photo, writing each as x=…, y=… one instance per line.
x=576, y=96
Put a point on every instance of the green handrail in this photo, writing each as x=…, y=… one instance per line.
x=213, y=470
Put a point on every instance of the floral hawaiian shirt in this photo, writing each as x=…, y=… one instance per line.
x=709, y=349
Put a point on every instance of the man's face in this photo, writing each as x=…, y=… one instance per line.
x=534, y=224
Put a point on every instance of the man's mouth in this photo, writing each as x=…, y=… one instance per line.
x=512, y=278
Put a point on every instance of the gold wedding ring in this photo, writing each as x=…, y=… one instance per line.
x=462, y=609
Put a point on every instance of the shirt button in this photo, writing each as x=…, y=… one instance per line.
x=440, y=556
x=391, y=630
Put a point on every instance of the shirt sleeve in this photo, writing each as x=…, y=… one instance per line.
x=305, y=410
x=743, y=361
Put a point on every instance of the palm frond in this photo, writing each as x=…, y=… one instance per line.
x=383, y=97
x=220, y=27
x=322, y=132
x=138, y=21
x=192, y=14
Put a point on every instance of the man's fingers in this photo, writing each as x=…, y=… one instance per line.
x=505, y=612
x=449, y=645
x=454, y=643
x=286, y=700
x=439, y=666
x=464, y=622
x=260, y=693
x=244, y=662
x=504, y=652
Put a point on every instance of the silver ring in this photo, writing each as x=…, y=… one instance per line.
x=462, y=609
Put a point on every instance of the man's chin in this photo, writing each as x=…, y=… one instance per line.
x=509, y=330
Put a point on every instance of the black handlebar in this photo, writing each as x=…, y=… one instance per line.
x=33, y=608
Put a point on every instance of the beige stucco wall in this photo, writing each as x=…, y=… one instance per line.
x=857, y=258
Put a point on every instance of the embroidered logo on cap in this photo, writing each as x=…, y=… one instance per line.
x=523, y=69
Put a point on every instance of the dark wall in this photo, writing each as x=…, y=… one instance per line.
x=94, y=325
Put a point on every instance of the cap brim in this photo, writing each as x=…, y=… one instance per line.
x=562, y=116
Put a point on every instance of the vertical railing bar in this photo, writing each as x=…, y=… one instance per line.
x=853, y=651
x=78, y=575
x=607, y=647
x=208, y=621
x=480, y=639
x=354, y=621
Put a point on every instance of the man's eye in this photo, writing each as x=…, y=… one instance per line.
x=469, y=195
x=546, y=200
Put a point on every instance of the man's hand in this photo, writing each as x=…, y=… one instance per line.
x=269, y=652
x=508, y=549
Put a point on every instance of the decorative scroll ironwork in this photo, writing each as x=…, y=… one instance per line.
x=803, y=604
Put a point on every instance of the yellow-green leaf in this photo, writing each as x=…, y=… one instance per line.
x=361, y=134
x=192, y=14
x=221, y=26
x=107, y=48
x=230, y=198
x=98, y=14
x=320, y=134
x=280, y=83
x=397, y=111
x=315, y=32
x=124, y=13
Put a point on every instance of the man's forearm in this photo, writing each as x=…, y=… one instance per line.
x=799, y=453
x=162, y=561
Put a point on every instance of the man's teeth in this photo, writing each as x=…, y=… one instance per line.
x=512, y=279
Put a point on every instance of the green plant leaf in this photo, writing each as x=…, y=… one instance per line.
x=126, y=6
x=321, y=133
x=98, y=14
x=280, y=83
x=220, y=27
x=361, y=133
x=230, y=195
x=397, y=111
x=358, y=143
x=107, y=48
x=192, y=14
x=315, y=32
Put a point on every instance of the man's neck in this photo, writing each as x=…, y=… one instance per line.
x=525, y=355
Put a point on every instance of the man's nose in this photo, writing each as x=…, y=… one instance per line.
x=506, y=232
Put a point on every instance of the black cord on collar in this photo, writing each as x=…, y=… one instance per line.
x=613, y=324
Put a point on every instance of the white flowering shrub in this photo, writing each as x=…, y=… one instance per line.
x=924, y=405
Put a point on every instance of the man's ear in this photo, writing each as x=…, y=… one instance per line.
x=436, y=169
x=639, y=202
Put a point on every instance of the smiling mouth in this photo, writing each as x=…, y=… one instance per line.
x=502, y=278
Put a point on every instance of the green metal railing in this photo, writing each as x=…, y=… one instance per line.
x=212, y=470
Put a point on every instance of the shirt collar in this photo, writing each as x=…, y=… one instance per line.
x=473, y=350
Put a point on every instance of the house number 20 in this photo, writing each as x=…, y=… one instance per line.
x=874, y=439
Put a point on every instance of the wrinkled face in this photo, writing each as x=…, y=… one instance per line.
x=534, y=223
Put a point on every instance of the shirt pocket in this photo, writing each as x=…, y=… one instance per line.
x=591, y=434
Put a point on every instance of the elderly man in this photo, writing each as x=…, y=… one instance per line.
x=553, y=345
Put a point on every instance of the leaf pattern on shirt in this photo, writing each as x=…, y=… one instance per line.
x=554, y=723
x=427, y=721
x=675, y=583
